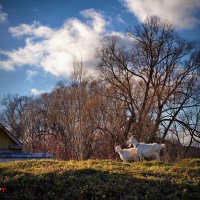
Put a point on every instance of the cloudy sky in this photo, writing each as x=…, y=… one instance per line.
x=40, y=39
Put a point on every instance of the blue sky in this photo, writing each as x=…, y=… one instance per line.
x=39, y=39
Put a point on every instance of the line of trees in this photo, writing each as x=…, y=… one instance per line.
x=149, y=88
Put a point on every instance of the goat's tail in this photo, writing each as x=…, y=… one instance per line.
x=162, y=145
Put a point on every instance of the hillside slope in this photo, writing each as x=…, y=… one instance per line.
x=99, y=179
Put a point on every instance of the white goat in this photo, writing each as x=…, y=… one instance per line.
x=146, y=150
x=127, y=154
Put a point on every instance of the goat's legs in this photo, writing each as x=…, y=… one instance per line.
x=141, y=158
x=157, y=156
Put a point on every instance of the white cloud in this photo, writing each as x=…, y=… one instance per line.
x=3, y=15
x=35, y=30
x=179, y=12
x=55, y=50
x=36, y=92
x=98, y=22
x=123, y=40
x=119, y=19
x=30, y=74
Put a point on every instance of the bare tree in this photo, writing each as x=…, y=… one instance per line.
x=156, y=78
x=13, y=108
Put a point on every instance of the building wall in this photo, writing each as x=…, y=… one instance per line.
x=5, y=141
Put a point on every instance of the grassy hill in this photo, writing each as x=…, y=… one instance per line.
x=100, y=179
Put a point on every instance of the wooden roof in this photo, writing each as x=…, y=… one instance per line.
x=11, y=136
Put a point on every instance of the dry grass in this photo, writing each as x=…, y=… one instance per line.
x=100, y=179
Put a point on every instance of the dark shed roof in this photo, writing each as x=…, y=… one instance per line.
x=10, y=135
x=26, y=155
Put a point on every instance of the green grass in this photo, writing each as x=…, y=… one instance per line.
x=100, y=179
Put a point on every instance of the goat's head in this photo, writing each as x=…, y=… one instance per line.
x=132, y=141
x=118, y=148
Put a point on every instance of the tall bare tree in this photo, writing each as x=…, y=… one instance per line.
x=13, y=109
x=156, y=77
